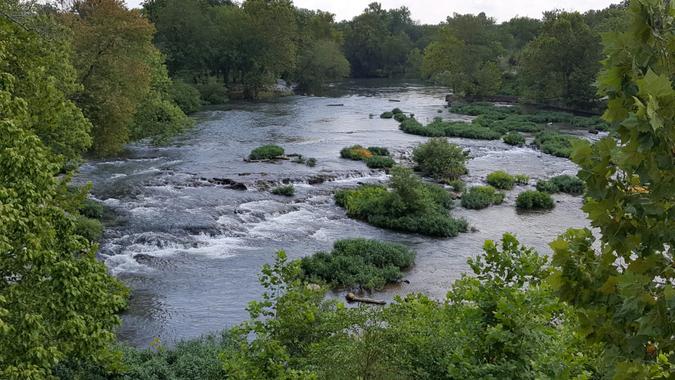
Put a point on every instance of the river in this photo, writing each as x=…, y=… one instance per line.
x=190, y=248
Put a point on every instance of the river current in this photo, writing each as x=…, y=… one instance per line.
x=190, y=245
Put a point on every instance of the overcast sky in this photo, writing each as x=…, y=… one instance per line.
x=435, y=11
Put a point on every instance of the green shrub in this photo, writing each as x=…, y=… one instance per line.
x=400, y=117
x=379, y=151
x=396, y=111
x=569, y=184
x=311, y=162
x=521, y=179
x=91, y=209
x=439, y=128
x=368, y=264
x=185, y=96
x=414, y=127
x=501, y=180
x=514, y=138
x=547, y=187
x=534, y=200
x=514, y=123
x=212, y=91
x=410, y=206
x=288, y=190
x=457, y=185
x=356, y=152
x=266, y=152
x=479, y=197
x=380, y=162
x=386, y=115
x=440, y=160
x=90, y=229
x=159, y=119
x=475, y=109
x=555, y=143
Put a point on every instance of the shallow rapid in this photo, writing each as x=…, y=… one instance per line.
x=190, y=242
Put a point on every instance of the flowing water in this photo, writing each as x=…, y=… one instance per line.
x=190, y=245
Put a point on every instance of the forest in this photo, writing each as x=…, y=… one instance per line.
x=81, y=79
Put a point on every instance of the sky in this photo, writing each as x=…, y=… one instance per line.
x=435, y=11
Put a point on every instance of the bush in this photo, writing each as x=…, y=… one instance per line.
x=380, y=162
x=562, y=183
x=521, y=179
x=159, y=119
x=480, y=197
x=501, y=180
x=555, y=143
x=547, y=187
x=400, y=117
x=534, y=200
x=396, y=111
x=90, y=229
x=185, y=96
x=386, y=115
x=288, y=190
x=410, y=206
x=212, y=91
x=490, y=109
x=439, y=128
x=569, y=184
x=368, y=264
x=356, y=152
x=311, y=162
x=514, y=123
x=440, y=160
x=514, y=138
x=266, y=152
x=91, y=209
x=414, y=127
x=457, y=185
x=379, y=151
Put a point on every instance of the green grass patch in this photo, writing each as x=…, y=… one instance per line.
x=480, y=197
x=534, y=200
x=266, y=152
x=380, y=162
x=386, y=115
x=287, y=190
x=562, y=184
x=501, y=180
x=362, y=263
x=554, y=143
x=514, y=138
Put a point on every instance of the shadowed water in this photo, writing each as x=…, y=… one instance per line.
x=191, y=248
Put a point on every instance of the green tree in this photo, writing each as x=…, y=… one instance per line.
x=57, y=300
x=623, y=289
x=38, y=52
x=112, y=46
x=560, y=65
x=320, y=62
x=465, y=56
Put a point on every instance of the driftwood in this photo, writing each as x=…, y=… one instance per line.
x=336, y=105
x=394, y=100
x=351, y=297
x=268, y=159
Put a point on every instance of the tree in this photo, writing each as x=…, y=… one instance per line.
x=39, y=53
x=560, y=65
x=320, y=62
x=111, y=49
x=624, y=291
x=465, y=56
x=57, y=300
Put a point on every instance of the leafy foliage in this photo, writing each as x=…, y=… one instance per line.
x=440, y=160
x=534, y=200
x=380, y=162
x=266, y=152
x=368, y=264
x=501, y=180
x=514, y=138
x=288, y=190
x=562, y=183
x=410, y=206
x=556, y=144
x=623, y=288
x=480, y=197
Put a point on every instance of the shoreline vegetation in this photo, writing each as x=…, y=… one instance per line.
x=87, y=77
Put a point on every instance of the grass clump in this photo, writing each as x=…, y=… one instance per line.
x=311, y=162
x=457, y=185
x=396, y=111
x=386, y=115
x=380, y=162
x=534, y=200
x=480, y=197
x=363, y=263
x=440, y=128
x=501, y=180
x=555, y=143
x=514, y=138
x=91, y=209
x=356, y=152
x=521, y=179
x=400, y=117
x=562, y=184
x=379, y=151
x=287, y=190
x=89, y=228
x=440, y=160
x=409, y=205
x=266, y=152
